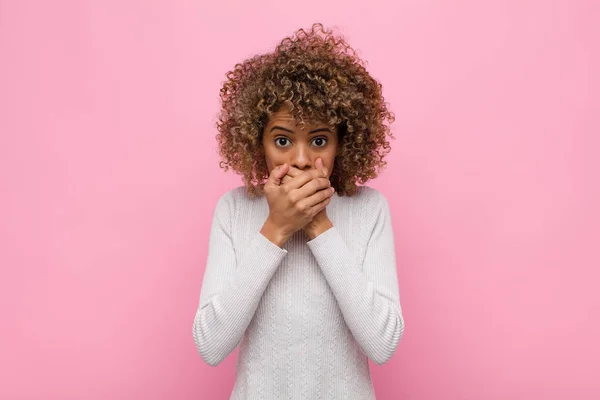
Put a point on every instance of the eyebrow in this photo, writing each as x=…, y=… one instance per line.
x=311, y=132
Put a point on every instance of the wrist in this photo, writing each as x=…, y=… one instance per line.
x=314, y=230
x=274, y=233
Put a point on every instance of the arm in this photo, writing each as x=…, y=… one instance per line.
x=367, y=294
x=230, y=293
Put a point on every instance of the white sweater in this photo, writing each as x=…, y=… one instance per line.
x=306, y=316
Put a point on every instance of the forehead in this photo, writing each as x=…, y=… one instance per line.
x=283, y=116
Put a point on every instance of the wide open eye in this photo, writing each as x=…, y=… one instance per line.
x=320, y=141
x=281, y=141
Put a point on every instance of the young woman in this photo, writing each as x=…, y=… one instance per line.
x=301, y=268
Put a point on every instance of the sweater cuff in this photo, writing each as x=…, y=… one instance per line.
x=332, y=254
x=266, y=250
x=324, y=239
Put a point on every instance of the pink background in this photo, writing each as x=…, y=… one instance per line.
x=109, y=176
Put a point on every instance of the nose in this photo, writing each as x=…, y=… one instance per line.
x=301, y=159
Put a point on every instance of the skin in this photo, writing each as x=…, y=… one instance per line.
x=307, y=154
x=320, y=222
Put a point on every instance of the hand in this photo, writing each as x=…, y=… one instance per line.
x=293, y=204
x=320, y=221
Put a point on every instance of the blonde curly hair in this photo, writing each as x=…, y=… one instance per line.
x=323, y=80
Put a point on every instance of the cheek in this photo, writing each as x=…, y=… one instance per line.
x=268, y=158
x=329, y=162
x=270, y=163
x=273, y=158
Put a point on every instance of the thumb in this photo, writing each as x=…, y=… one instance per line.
x=278, y=173
x=321, y=166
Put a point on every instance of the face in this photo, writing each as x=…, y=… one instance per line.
x=285, y=142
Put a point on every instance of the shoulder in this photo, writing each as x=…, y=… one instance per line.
x=228, y=202
x=369, y=197
x=369, y=205
x=233, y=196
x=234, y=200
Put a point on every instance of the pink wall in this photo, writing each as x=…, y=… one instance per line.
x=109, y=175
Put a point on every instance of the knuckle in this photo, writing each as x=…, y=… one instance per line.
x=292, y=198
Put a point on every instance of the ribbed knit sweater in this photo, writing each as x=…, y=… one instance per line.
x=306, y=316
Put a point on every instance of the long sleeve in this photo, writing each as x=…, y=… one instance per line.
x=230, y=293
x=367, y=294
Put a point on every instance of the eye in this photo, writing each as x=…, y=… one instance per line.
x=320, y=141
x=281, y=141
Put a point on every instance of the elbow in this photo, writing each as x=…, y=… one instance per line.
x=386, y=349
x=206, y=347
x=211, y=360
x=381, y=360
x=383, y=356
x=209, y=354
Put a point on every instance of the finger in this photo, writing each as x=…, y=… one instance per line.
x=316, y=198
x=321, y=206
x=293, y=171
x=321, y=166
x=313, y=186
x=277, y=174
x=303, y=178
x=317, y=208
x=310, y=188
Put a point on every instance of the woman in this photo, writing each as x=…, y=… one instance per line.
x=301, y=268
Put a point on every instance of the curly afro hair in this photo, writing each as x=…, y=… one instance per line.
x=323, y=80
